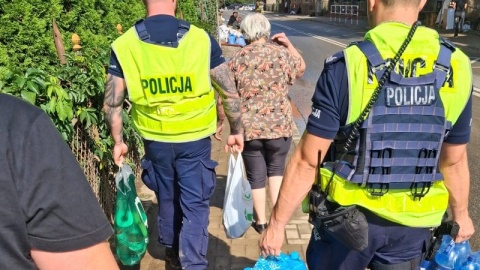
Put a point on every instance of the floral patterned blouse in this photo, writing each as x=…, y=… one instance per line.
x=262, y=74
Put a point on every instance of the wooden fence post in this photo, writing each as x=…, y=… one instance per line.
x=57, y=39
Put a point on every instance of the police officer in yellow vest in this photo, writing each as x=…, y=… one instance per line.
x=168, y=67
x=398, y=109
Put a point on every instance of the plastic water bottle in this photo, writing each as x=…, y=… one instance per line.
x=426, y=265
x=451, y=255
x=472, y=263
x=463, y=252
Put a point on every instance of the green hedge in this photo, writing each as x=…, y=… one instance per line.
x=26, y=37
x=71, y=94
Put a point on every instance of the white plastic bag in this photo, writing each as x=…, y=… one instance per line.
x=223, y=31
x=238, y=203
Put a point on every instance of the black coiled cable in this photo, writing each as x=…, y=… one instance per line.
x=357, y=124
x=376, y=93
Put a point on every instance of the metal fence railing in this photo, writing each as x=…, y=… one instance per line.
x=101, y=179
x=344, y=13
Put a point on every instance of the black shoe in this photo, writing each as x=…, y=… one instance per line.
x=259, y=227
x=171, y=256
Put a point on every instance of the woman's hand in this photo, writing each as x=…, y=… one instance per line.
x=281, y=39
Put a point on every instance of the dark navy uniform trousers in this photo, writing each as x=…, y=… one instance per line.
x=182, y=175
x=388, y=243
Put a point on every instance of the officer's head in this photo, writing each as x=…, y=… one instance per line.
x=254, y=27
x=155, y=7
x=405, y=11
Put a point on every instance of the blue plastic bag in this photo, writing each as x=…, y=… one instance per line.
x=231, y=39
x=241, y=41
x=284, y=261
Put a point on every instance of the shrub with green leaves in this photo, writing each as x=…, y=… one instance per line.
x=26, y=35
x=72, y=94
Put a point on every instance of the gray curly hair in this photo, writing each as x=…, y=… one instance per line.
x=255, y=26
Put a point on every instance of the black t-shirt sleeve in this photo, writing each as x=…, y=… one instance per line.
x=460, y=132
x=60, y=208
x=330, y=99
x=114, y=68
x=216, y=57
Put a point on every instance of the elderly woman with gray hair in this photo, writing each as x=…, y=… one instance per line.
x=263, y=70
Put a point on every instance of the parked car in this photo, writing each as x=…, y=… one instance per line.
x=235, y=6
x=249, y=7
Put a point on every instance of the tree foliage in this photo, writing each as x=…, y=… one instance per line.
x=72, y=94
x=26, y=38
x=202, y=13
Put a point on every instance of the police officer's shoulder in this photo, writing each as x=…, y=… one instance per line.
x=354, y=43
x=335, y=58
x=448, y=44
x=183, y=24
x=457, y=53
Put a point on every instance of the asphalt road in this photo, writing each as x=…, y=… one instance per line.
x=316, y=41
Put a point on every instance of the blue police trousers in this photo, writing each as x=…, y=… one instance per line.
x=182, y=175
x=388, y=243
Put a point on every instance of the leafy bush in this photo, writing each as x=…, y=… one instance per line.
x=26, y=38
x=72, y=96
x=191, y=11
x=26, y=35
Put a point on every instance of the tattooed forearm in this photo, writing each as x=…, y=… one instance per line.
x=114, y=97
x=220, y=110
x=222, y=81
x=113, y=106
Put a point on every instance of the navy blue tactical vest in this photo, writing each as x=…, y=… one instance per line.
x=398, y=145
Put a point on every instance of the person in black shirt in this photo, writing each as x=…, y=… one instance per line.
x=232, y=19
x=460, y=7
x=50, y=216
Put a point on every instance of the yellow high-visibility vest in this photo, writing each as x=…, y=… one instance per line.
x=170, y=88
x=399, y=205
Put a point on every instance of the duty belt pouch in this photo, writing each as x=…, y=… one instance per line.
x=346, y=224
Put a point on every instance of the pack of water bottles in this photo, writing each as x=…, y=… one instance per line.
x=453, y=256
x=290, y=261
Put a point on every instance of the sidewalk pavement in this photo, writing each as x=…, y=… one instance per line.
x=224, y=253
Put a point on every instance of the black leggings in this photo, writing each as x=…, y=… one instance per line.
x=265, y=158
x=459, y=21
